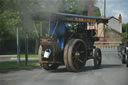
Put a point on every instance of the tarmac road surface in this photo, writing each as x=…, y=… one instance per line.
x=112, y=72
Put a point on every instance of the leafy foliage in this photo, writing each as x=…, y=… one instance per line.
x=97, y=12
x=124, y=34
x=9, y=18
x=14, y=65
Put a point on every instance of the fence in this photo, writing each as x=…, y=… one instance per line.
x=108, y=46
x=10, y=46
x=7, y=46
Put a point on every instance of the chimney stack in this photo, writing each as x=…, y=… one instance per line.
x=120, y=18
x=91, y=12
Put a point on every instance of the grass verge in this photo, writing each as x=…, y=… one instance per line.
x=29, y=55
x=14, y=65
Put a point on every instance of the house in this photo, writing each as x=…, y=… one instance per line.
x=112, y=31
x=115, y=24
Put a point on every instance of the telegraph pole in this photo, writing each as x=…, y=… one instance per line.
x=104, y=8
x=18, y=46
x=126, y=30
x=26, y=48
x=104, y=16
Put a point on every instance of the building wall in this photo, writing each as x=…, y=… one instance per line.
x=115, y=25
x=112, y=36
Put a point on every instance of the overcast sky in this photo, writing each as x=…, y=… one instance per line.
x=114, y=8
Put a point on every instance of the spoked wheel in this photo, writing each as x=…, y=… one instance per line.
x=74, y=55
x=97, y=58
x=50, y=66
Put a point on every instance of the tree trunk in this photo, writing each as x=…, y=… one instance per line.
x=36, y=46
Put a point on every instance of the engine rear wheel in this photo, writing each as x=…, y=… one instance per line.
x=66, y=55
x=76, y=55
x=97, y=58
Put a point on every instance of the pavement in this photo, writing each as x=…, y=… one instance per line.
x=112, y=72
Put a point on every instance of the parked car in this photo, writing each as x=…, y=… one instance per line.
x=123, y=53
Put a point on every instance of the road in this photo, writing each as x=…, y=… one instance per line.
x=112, y=72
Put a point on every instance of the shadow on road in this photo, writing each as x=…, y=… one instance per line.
x=110, y=66
x=90, y=68
x=63, y=70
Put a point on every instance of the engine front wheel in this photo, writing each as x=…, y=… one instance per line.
x=97, y=58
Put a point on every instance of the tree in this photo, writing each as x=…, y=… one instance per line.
x=124, y=34
x=97, y=11
x=9, y=18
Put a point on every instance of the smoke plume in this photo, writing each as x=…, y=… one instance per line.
x=61, y=5
x=85, y=5
x=30, y=7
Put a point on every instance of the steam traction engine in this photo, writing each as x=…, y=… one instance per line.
x=68, y=41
